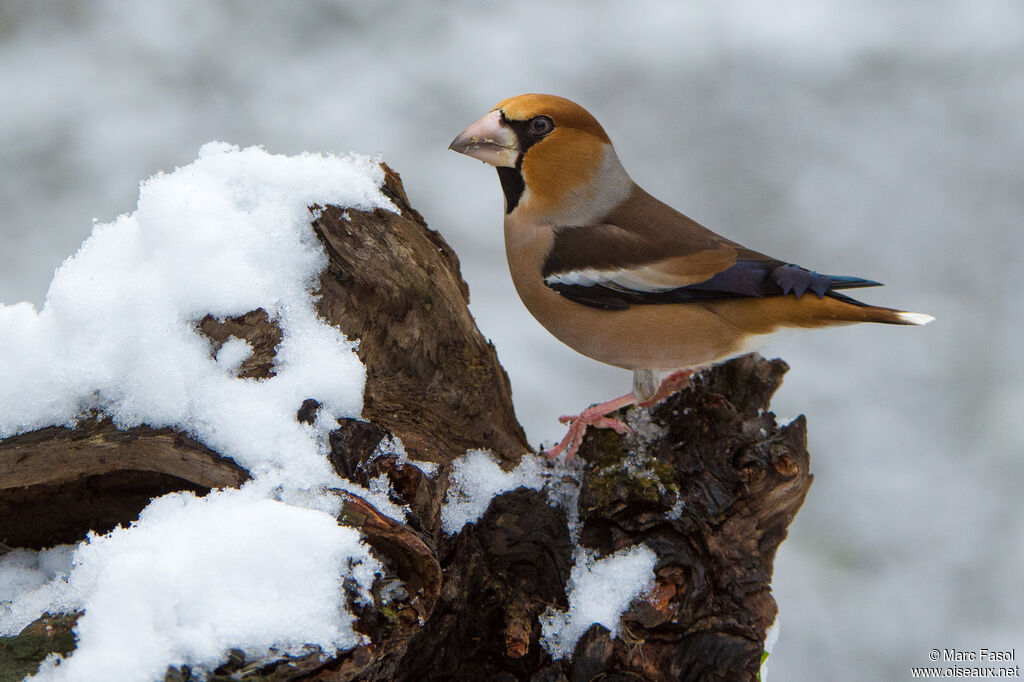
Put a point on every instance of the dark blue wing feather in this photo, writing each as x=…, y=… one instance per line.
x=745, y=279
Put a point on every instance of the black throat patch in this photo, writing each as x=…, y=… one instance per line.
x=512, y=185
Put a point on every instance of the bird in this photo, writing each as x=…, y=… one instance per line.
x=626, y=279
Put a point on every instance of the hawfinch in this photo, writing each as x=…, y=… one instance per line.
x=625, y=279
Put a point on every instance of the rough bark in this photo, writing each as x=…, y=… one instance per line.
x=432, y=378
x=709, y=482
x=58, y=483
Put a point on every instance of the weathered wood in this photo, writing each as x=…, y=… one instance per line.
x=711, y=489
x=432, y=378
x=709, y=482
x=254, y=327
x=57, y=483
x=725, y=484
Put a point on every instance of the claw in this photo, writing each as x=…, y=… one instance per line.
x=610, y=423
x=597, y=415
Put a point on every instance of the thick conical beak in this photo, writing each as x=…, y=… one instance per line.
x=490, y=139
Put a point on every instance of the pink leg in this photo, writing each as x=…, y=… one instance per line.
x=676, y=381
x=595, y=415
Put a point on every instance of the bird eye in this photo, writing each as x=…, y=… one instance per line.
x=541, y=125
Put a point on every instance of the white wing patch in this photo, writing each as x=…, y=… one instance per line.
x=620, y=279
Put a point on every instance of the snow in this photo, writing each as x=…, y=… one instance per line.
x=194, y=577
x=393, y=445
x=117, y=333
x=600, y=591
x=477, y=478
x=261, y=568
x=770, y=639
x=22, y=570
x=232, y=354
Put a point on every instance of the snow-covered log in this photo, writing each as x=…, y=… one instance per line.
x=653, y=560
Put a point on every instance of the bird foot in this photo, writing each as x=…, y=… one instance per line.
x=595, y=415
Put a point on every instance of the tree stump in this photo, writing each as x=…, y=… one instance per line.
x=708, y=481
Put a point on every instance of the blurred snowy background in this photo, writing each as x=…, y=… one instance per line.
x=866, y=138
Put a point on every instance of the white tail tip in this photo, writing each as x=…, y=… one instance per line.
x=915, y=318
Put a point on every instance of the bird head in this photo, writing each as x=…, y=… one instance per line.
x=554, y=159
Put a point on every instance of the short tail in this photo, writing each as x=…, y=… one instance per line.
x=884, y=315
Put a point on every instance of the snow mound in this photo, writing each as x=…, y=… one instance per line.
x=194, y=577
x=265, y=568
x=477, y=478
x=600, y=590
x=224, y=235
